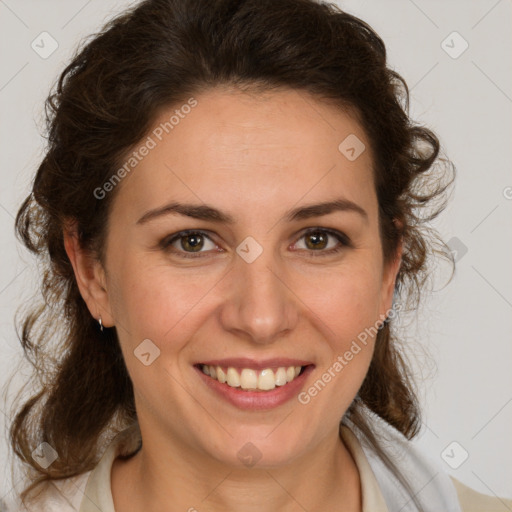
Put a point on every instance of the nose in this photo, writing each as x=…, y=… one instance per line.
x=259, y=304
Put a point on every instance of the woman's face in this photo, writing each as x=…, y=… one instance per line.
x=250, y=291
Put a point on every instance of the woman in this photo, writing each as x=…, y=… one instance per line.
x=232, y=198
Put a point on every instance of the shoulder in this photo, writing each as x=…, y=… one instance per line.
x=473, y=501
x=426, y=480
x=56, y=496
x=73, y=494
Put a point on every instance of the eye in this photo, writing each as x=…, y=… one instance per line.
x=194, y=243
x=318, y=240
x=188, y=244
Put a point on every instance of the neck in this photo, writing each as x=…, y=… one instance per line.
x=160, y=474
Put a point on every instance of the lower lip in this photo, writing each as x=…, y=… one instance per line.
x=257, y=400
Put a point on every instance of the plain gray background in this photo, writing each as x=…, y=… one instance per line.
x=464, y=96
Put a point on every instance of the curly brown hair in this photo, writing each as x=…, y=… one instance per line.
x=156, y=55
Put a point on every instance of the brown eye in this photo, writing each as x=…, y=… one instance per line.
x=316, y=240
x=188, y=244
x=193, y=242
x=323, y=242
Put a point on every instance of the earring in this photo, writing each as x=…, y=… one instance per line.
x=101, y=324
x=385, y=322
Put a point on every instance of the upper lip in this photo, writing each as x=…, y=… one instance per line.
x=245, y=362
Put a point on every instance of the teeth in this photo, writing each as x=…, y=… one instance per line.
x=233, y=379
x=266, y=380
x=221, y=376
x=281, y=377
x=250, y=379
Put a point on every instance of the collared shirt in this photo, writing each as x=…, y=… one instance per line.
x=91, y=491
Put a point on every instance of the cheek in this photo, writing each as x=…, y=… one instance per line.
x=347, y=319
x=346, y=308
x=346, y=300
x=152, y=301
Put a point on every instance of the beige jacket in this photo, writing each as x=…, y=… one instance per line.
x=91, y=492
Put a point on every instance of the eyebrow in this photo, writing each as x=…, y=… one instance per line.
x=209, y=213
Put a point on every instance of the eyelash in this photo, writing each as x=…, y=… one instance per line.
x=167, y=242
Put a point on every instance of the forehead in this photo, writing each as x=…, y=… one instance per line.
x=254, y=149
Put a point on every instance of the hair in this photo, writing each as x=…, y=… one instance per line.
x=156, y=55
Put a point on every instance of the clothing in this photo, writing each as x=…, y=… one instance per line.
x=91, y=492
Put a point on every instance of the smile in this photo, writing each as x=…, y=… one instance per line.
x=249, y=379
x=255, y=384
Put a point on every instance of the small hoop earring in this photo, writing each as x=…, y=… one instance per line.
x=383, y=324
x=101, y=324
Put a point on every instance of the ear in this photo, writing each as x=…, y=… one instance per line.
x=389, y=275
x=89, y=275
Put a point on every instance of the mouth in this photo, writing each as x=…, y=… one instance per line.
x=254, y=385
x=252, y=379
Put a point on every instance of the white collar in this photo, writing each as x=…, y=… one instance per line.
x=381, y=490
x=430, y=484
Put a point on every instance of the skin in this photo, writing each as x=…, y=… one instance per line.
x=253, y=157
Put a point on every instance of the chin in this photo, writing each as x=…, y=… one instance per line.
x=260, y=447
